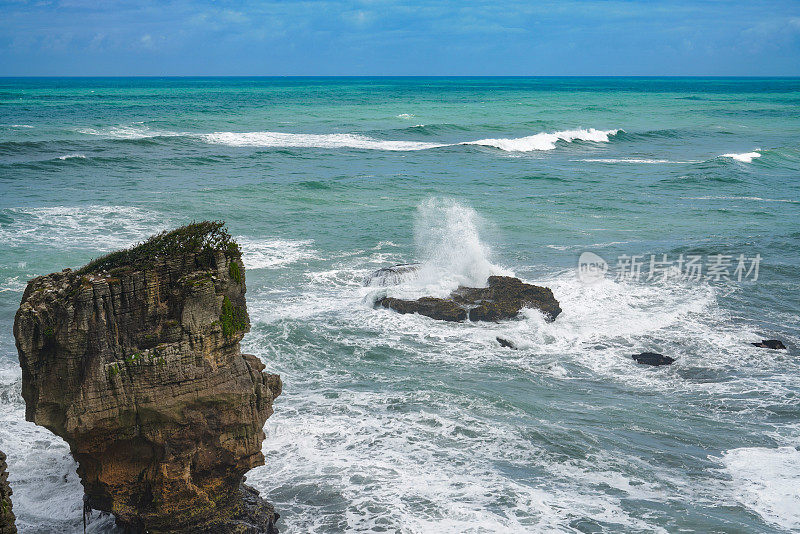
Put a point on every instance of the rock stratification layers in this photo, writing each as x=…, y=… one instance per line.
x=7, y=519
x=134, y=360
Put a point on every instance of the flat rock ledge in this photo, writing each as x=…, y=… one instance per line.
x=134, y=360
x=7, y=519
x=502, y=298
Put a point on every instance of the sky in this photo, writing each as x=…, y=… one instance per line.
x=399, y=37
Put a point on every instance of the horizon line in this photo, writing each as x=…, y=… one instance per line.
x=782, y=76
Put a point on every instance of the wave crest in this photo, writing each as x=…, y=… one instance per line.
x=745, y=157
x=545, y=141
x=292, y=140
x=536, y=142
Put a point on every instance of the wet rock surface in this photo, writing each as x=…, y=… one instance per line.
x=506, y=344
x=653, y=358
x=503, y=298
x=774, y=344
x=391, y=276
x=134, y=360
x=7, y=519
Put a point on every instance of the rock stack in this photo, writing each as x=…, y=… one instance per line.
x=7, y=519
x=134, y=360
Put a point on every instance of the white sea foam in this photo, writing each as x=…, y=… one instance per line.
x=386, y=451
x=382, y=454
x=540, y=141
x=72, y=156
x=545, y=141
x=273, y=253
x=91, y=227
x=268, y=139
x=427, y=458
x=48, y=496
x=292, y=140
x=137, y=131
x=12, y=284
x=745, y=157
x=768, y=482
x=634, y=160
x=406, y=116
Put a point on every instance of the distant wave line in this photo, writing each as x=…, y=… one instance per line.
x=537, y=142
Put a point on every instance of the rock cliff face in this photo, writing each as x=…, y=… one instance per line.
x=502, y=298
x=7, y=520
x=134, y=360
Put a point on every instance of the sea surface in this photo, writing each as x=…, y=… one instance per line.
x=400, y=423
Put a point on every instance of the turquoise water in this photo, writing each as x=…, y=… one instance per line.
x=403, y=424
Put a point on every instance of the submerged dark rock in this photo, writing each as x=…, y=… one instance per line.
x=391, y=276
x=506, y=344
x=653, y=358
x=135, y=361
x=7, y=519
x=503, y=298
x=775, y=344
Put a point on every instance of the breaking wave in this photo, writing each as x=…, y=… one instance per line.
x=130, y=132
x=537, y=142
x=292, y=140
x=546, y=141
x=633, y=160
x=745, y=157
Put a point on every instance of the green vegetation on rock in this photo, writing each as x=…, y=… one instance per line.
x=236, y=273
x=201, y=238
x=232, y=318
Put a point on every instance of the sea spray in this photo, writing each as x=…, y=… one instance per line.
x=447, y=240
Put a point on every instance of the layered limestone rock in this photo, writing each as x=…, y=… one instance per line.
x=502, y=298
x=134, y=360
x=7, y=519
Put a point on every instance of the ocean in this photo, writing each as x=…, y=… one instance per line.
x=400, y=423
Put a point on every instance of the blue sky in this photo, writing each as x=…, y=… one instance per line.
x=393, y=37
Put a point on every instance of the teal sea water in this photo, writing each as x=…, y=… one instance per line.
x=394, y=423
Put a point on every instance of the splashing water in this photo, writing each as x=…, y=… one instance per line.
x=447, y=239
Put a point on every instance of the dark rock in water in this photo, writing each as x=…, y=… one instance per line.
x=775, y=344
x=391, y=276
x=503, y=298
x=653, y=358
x=506, y=343
x=7, y=519
x=444, y=309
x=135, y=361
